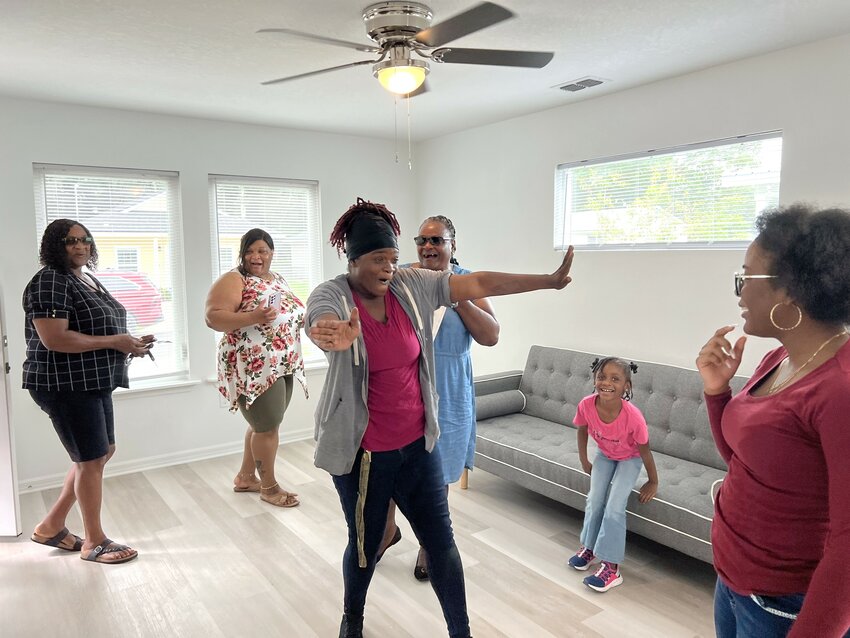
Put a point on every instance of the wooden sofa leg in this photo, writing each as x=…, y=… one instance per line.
x=464, y=479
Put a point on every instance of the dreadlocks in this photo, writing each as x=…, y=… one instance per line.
x=357, y=211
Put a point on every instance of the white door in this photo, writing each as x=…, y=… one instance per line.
x=10, y=511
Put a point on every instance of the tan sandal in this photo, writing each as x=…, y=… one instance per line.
x=254, y=486
x=279, y=499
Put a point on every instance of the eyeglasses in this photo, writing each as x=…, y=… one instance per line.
x=741, y=278
x=71, y=241
x=436, y=240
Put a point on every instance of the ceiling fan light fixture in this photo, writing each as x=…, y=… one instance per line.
x=401, y=76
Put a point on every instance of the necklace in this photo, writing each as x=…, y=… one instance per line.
x=776, y=387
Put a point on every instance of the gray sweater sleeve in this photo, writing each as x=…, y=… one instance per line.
x=431, y=287
x=325, y=299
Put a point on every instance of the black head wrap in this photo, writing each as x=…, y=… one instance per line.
x=369, y=232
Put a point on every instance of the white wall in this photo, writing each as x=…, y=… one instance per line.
x=169, y=427
x=496, y=183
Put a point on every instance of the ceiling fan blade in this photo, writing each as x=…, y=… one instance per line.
x=495, y=57
x=366, y=48
x=477, y=18
x=319, y=72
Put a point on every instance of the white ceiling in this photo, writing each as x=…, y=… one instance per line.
x=204, y=59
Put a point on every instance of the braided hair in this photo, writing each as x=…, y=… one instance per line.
x=629, y=368
x=445, y=221
x=354, y=212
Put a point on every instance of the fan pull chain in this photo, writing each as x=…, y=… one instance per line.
x=395, y=126
x=409, y=144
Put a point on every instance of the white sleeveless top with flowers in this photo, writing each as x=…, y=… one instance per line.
x=252, y=358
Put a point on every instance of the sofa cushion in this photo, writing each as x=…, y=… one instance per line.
x=543, y=456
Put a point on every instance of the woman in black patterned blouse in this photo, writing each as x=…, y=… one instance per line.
x=77, y=354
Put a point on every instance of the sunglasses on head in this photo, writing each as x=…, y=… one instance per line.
x=740, y=278
x=436, y=240
x=71, y=241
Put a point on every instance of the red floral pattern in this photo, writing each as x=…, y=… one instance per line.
x=252, y=358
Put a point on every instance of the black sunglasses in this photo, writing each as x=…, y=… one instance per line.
x=741, y=278
x=71, y=241
x=436, y=240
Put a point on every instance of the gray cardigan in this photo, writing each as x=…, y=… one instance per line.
x=342, y=415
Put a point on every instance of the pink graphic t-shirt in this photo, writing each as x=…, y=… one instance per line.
x=618, y=440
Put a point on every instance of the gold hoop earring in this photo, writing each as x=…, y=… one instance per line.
x=777, y=326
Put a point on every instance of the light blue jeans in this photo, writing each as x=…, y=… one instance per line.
x=604, y=529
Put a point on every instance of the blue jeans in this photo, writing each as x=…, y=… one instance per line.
x=737, y=616
x=604, y=529
x=413, y=478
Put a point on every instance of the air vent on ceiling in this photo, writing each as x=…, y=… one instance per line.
x=580, y=85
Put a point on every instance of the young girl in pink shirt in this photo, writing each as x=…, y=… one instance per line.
x=619, y=431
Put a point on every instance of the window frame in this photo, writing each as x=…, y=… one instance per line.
x=313, y=357
x=146, y=374
x=561, y=234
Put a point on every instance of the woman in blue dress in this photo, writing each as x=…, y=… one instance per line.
x=455, y=330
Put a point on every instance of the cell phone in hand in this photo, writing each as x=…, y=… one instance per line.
x=274, y=301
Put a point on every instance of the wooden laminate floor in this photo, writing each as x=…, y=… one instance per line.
x=216, y=563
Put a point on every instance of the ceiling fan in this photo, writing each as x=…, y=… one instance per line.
x=401, y=29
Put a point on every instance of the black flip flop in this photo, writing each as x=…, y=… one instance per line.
x=107, y=546
x=420, y=572
x=55, y=541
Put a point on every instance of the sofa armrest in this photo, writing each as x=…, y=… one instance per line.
x=498, y=382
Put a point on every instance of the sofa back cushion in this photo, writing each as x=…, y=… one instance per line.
x=670, y=398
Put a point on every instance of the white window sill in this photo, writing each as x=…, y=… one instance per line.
x=156, y=386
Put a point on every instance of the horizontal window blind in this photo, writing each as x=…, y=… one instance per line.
x=700, y=196
x=286, y=209
x=134, y=218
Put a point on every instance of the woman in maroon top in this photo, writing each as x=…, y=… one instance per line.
x=781, y=532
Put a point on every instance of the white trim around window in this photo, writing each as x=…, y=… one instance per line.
x=703, y=195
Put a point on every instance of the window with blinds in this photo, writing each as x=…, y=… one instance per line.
x=286, y=209
x=134, y=218
x=698, y=196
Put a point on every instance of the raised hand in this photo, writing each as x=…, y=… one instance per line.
x=718, y=360
x=336, y=334
x=561, y=277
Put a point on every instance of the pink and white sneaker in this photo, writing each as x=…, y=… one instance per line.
x=582, y=559
x=606, y=577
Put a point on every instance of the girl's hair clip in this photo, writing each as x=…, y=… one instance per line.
x=633, y=366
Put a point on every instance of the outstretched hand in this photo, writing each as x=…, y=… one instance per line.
x=561, y=277
x=336, y=334
x=718, y=360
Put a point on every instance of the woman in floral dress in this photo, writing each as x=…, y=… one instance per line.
x=258, y=357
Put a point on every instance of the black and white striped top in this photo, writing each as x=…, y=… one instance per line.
x=53, y=294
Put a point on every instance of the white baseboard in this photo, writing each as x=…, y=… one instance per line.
x=154, y=462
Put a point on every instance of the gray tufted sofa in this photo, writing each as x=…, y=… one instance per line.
x=525, y=434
